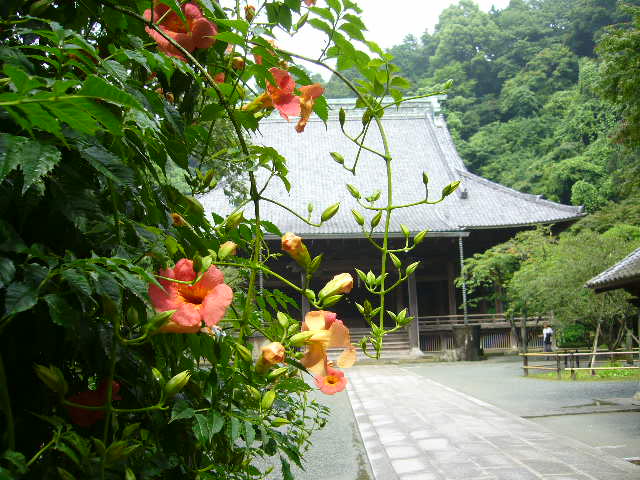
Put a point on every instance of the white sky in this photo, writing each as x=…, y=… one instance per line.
x=388, y=22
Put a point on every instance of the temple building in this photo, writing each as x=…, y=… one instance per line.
x=478, y=215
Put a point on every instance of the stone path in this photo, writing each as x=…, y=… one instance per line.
x=416, y=429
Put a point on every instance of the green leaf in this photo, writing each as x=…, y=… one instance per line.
x=233, y=430
x=181, y=410
x=95, y=86
x=201, y=429
x=324, y=13
x=320, y=25
x=246, y=119
x=230, y=37
x=73, y=116
x=21, y=79
x=7, y=271
x=105, y=162
x=271, y=228
x=40, y=118
x=211, y=112
x=321, y=108
x=9, y=157
x=34, y=158
x=216, y=422
x=335, y=5
x=249, y=433
x=59, y=309
x=36, y=161
x=240, y=25
x=400, y=82
x=286, y=469
x=20, y=297
x=103, y=115
x=78, y=281
x=353, y=31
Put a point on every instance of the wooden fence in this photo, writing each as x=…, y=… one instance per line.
x=570, y=360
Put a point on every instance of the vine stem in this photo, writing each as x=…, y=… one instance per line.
x=5, y=401
x=43, y=449
x=387, y=223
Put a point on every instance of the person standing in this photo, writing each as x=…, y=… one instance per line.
x=547, y=333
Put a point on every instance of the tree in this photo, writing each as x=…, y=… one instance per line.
x=554, y=281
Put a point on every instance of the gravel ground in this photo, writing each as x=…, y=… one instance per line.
x=553, y=404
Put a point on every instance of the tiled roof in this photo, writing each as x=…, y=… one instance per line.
x=419, y=141
x=622, y=273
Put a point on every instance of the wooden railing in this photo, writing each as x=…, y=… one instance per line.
x=570, y=361
x=487, y=319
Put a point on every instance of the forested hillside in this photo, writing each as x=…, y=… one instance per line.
x=535, y=104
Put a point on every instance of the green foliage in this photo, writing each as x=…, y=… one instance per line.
x=528, y=107
x=618, y=50
x=106, y=140
x=555, y=281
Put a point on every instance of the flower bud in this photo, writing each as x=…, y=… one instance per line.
x=419, y=237
x=301, y=338
x=279, y=421
x=178, y=220
x=53, y=378
x=359, y=218
x=331, y=300
x=267, y=400
x=272, y=353
x=412, y=268
x=292, y=244
x=340, y=284
x=177, y=383
x=277, y=372
x=234, y=219
x=376, y=219
x=449, y=189
x=353, y=191
x=337, y=157
x=249, y=12
x=237, y=63
x=157, y=375
x=330, y=212
x=226, y=249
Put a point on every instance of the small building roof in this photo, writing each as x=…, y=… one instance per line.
x=419, y=142
x=622, y=274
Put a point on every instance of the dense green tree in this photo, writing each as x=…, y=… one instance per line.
x=619, y=52
x=556, y=280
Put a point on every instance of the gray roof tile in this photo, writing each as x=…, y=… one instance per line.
x=619, y=274
x=418, y=142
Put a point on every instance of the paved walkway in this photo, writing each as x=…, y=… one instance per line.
x=414, y=428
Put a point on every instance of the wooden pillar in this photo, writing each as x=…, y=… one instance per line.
x=413, y=327
x=451, y=275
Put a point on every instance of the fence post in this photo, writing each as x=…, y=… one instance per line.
x=573, y=362
x=525, y=364
x=558, y=366
x=523, y=334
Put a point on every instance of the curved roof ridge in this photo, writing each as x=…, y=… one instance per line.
x=526, y=196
